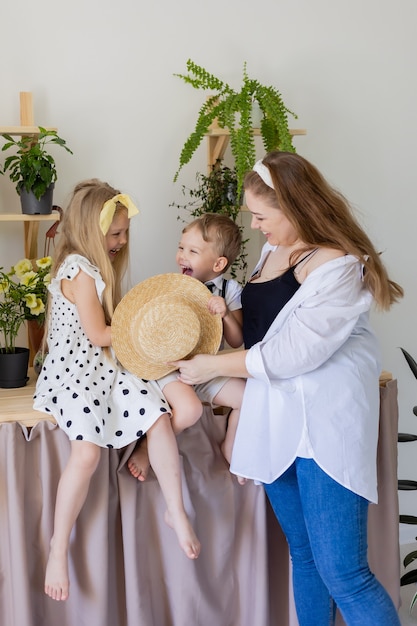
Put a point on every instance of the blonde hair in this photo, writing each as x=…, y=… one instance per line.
x=322, y=217
x=81, y=234
x=222, y=232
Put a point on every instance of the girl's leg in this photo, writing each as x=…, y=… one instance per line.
x=185, y=404
x=71, y=494
x=186, y=410
x=164, y=458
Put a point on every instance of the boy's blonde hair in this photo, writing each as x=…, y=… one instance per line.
x=221, y=231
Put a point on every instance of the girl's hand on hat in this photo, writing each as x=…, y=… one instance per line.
x=199, y=369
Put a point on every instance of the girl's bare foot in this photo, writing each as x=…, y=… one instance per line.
x=185, y=533
x=138, y=462
x=56, y=577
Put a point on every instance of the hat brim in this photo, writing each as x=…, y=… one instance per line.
x=132, y=318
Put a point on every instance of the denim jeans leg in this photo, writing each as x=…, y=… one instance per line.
x=313, y=603
x=336, y=519
x=334, y=522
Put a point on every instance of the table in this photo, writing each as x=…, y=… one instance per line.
x=126, y=567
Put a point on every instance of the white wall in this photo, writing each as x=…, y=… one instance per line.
x=102, y=72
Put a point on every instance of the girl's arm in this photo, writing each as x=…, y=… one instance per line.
x=82, y=292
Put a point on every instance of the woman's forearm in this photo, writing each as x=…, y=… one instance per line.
x=204, y=367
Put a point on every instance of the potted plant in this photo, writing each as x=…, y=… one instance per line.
x=23, y=296
x=216, y=193
x=33, y=169
x=233, y=110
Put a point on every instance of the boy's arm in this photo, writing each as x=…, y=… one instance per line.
x=232, y=321
x=232, y=328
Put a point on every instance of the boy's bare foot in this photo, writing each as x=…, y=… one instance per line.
x=56, y=577
x=138, y=462
x=185, y=533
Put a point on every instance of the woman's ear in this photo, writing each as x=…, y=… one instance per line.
x=220, y=264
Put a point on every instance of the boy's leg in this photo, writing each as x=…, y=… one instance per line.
x=230, y=395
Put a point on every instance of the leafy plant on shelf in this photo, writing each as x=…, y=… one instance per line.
x=410, y=576
x=233, y=111
x=216, y=193
x=23, y=296
x=32, y=167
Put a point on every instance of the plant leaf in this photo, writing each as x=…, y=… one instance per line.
x=412, y=603
x=411, y=362
x=409, y=558
x=408, y=578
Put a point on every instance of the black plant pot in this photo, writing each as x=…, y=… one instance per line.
x=32, y=206
x=14, y=368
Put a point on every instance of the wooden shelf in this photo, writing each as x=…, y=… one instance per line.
x=21, y=130
x=31, y=222
x=31, y=226
x=218, y=140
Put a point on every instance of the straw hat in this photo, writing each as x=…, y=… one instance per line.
x=163, y=319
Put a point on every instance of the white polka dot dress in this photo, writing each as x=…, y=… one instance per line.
x=90, y=395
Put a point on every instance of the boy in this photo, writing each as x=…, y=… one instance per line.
x=208, y=246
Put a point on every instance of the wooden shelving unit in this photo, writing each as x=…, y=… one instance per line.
x=218, y=140
x=30, y=222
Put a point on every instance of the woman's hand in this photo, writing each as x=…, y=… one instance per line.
x=204, y=367
x=199, y=369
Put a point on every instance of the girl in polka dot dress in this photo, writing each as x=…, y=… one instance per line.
x=93, y=399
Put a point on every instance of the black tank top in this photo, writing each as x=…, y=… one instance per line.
x=261, y=303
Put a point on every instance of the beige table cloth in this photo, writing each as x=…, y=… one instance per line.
x=126, y=567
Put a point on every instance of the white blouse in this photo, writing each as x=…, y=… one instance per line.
x=315, y=376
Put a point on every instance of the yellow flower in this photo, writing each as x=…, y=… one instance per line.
x=29, y=278
x=36, y=305
x=44, y=262
x=21, y=267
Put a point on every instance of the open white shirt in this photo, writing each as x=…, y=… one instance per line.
x=315, y=378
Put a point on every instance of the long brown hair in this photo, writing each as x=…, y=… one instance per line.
x=322, y=217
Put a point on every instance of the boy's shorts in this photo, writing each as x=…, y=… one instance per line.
x=205, y=391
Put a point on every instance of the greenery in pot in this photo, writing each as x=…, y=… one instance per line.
x=23, y=296
x=233, y=110
x=32, y=168
x=216, y=193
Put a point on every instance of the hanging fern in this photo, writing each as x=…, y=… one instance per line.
x=233, y=110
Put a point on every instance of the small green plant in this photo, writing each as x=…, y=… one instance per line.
x=233, y=110
x=23, y=296
x=32, y=168
x=216, y=193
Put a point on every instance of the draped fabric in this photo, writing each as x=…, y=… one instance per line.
x=126, y=567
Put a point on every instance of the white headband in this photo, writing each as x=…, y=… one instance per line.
x=264, y=173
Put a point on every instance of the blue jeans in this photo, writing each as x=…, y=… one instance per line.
x=326, y=528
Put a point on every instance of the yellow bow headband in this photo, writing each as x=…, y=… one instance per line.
x=109, y=208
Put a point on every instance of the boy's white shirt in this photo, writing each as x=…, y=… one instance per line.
x=315, y=384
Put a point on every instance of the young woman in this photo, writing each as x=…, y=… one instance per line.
x=308, y=426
